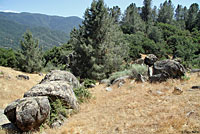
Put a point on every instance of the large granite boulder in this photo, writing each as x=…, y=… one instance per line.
x=150, y=59
x=28, y=113
x=55, y=90
x=170, y=67
x=58, y=75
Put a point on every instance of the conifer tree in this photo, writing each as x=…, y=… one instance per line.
x=192, y=16
x=131, y=21
x=98, y=44
x=30, y=55
x=166, y=12
x=147, y=11
x=154, y=14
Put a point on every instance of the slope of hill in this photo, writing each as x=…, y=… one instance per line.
x=50, y=30
x=134, y=108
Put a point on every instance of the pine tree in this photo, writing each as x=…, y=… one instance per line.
x=115, y=12
x=147, y=11
x=198, y=21
x=166, y=12
x=98, y=44
x=179, y=13
x=30, y=55
x=131, y=21
x=154, y=14
x=192, y=16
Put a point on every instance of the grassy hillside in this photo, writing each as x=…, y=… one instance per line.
x=135, y=108
x=11, y=88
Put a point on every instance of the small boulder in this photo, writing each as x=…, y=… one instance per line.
x=55, y=89
x=177, y=91
x=172, y=68
x=121, y=79
x=150, y=59
x=28, y=113
x=159, y=77
x=58, y=75
x=21, y=76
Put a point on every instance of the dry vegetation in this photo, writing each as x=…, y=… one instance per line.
x=135, y=108
x=12, y=88
x=139, y=108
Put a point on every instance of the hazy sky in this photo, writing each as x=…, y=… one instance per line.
x=73, y=7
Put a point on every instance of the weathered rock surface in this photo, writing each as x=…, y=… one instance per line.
x=3, y=118
x=28, y=113
x=58, y=75
x=170, y=67
x=195, y=70
x=150, y=59
x=21, y=76
x=159, y=77
x=55, y=89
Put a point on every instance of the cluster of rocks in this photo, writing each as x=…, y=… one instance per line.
x=159, y=71
x=31, y=111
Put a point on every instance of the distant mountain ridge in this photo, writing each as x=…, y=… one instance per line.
x=50, y=30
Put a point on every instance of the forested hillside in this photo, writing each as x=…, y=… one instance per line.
x=50, y=30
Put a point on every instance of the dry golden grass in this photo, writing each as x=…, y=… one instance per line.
x=11, y=88
x=138, y=108
x=135, y=108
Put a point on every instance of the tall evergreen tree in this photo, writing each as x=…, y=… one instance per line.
x=185, y=12
x=166, y=12
x=154, y=14
x=179, y=15
x=131, y=21
x=147, y=11
x=192, y=16
x=98, y=45
x=198, y=21
x=30, y=55
x=115, y=13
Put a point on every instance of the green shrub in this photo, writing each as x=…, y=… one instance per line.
x=88, y=83
x=132, y=71
x=119, y=74
x=82, y=94
x=58, y=109
x=138, y=69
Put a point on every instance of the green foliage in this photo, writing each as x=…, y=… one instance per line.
x=166, y=12
x=192, y=16
x=57, y=109
x=30, y=56
x=185, y=77
x=132, y=71
x=98, y=44
x=50, y=30
x=88, y=83
x=58, y=57
x=82, y=94
x=135, y=42
x=7, y=58
x=118, y=74
x=131, y=21
x=138, y=69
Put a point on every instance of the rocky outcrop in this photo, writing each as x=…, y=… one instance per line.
x=150, y=59
x=170, y=68
x=55, y=90
x=31, y=111
x=28, y=113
